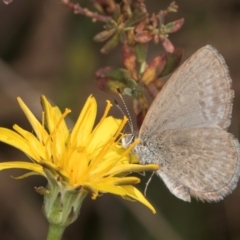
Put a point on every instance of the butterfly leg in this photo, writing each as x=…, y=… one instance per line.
x=175, y=187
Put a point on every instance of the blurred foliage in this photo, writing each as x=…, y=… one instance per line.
x=130, y=24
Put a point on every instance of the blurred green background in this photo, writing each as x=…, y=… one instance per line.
x=45, y=49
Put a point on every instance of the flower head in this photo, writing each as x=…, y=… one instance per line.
x=83, y=160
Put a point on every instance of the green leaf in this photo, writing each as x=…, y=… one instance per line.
x=104, y=35
x=110, y=44
x=110, y=86
x=119, y=74
x=117, y=12
x=136, y=18
x=174, y=26
x=154, y=69
x=137, y=90
x=172, y=61
x=110, y=80
x=141, y=52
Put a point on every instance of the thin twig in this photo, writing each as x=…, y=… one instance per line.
x=77, y=9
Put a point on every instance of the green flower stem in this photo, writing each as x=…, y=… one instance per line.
x=55, y=232
x=62, y=204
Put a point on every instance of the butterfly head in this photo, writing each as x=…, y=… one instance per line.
x=141, y=149
x=128, y=140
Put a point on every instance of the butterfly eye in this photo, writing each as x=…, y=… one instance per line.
x=127, y=140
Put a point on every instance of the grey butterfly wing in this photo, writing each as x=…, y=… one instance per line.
x=196, y=99
x=202, y=162
x=198, y=94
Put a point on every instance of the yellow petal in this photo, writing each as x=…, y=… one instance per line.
x=104, y=188
x=29, y=174
x=127, y=168
x=37, y=149
x=102, y=133
x=135, y=194
x=103, y=167
x=37, y=127
x=125, y=192
x=119, y=181
x=22, y=165
x=14, y=139
x=54, y=120
x=85, y=122
x=77, y=164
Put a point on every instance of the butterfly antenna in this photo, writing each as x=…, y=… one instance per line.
x=126, y=109
x=147, y=183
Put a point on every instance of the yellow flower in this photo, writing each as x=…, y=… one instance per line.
x=82, y=160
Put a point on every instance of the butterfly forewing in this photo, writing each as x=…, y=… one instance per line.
x=198, y=94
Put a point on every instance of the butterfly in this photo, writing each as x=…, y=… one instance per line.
x=184, y=131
